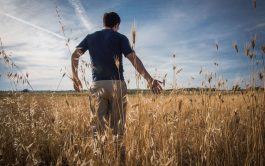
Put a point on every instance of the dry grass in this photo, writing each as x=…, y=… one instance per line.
x=177, y=129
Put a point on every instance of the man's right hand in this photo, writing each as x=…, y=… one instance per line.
x=74, y=61
x=77, y=84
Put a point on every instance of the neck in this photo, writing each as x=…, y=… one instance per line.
x=107, y=28
x=114, y=29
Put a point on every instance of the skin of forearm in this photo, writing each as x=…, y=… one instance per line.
x=141, y=69
x=75, y=61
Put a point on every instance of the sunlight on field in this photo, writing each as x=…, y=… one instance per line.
x=182, y=128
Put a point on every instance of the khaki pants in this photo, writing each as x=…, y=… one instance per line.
x=108, y=104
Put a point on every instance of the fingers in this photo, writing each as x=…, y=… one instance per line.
x=156, y=88
x=80, y=84
x=77, y=85
x=160, y=88
x=77, y=88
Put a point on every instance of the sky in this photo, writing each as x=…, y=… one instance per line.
x=40, y=41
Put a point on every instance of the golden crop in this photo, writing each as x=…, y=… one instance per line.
x=182, y=128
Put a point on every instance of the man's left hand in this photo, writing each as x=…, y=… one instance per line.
x=156, y=87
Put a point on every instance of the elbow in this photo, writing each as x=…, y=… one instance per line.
x=73, y=55
x=132, y=56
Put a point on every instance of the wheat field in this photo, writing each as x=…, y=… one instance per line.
x=180, y=128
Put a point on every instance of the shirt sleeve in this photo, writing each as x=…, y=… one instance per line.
x=84, y=44
x=125, y=46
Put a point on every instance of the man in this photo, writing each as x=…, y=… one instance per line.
x=109, y=88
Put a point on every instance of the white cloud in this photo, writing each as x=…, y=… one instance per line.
x=81, y=13
x=33, y=25
x=37, y=47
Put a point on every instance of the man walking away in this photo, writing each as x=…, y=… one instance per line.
x=109, y=89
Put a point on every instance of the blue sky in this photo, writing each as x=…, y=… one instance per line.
x=31, y=33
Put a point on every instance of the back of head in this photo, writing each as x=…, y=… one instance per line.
x=111, y=19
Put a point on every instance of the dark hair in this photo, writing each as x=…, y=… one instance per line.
x=111, y=19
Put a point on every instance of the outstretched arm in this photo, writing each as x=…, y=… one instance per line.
x=138, y=65
x=74, y=61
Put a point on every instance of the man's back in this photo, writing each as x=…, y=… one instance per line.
x=108, y=90
x=106, y=47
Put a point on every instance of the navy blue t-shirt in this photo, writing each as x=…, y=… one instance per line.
x=104, y=47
